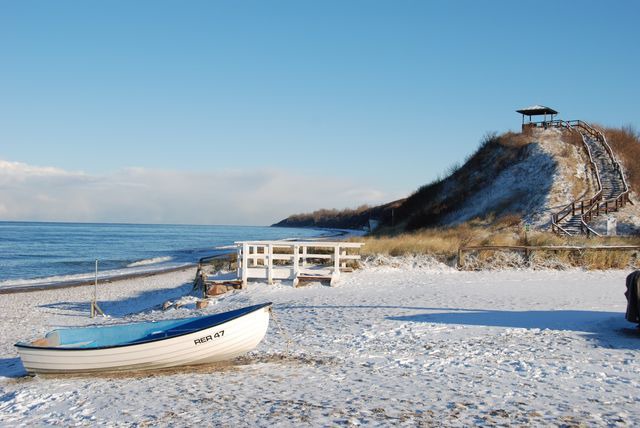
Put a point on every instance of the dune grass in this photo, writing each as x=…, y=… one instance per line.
x=443, y=244
x=625, y=143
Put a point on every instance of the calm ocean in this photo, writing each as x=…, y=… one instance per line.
x=45, y=253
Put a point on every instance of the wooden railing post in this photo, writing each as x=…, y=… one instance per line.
x=296, y=264
x=304, y=256
x=335, y=276
x=460, y=258
x=245, y=265
x=238, y=261
x=269, y=264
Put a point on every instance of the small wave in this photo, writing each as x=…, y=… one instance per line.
x=50, y=280
x=87, y=277
x=152, y=261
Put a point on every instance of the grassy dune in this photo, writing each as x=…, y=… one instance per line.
x=443, y=243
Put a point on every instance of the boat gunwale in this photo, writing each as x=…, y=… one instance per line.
x=58, y=348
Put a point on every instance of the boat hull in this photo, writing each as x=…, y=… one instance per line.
x=213, y=344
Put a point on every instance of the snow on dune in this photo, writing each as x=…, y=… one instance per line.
x=520, y=188
x=406, y=342
x=540, y=182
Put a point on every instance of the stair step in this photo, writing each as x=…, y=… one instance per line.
x=610, y=179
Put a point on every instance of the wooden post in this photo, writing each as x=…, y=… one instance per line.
x=343, y=263
x=304, y=256
x=296, y=265
x=95, y=309
x=238, y=261
x=461, y=257
x=335, y=276
x=269, y=264
x=245, y=266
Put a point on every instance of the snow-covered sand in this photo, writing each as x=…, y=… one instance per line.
x=410, y=343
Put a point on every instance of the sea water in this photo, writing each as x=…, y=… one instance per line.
x=49, y=253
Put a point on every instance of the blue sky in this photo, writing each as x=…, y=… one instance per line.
x=362, y=102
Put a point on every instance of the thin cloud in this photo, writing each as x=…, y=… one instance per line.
x=142, y=195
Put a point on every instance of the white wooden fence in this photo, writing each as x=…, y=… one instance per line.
x=294, y=260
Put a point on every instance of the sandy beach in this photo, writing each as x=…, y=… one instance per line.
x=409, y=342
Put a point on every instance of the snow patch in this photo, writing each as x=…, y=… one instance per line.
x=425, y=262
x=404, y=341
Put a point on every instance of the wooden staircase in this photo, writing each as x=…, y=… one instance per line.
x=612, y=189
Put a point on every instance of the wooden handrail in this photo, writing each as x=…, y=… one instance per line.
x=571, y=208
x=316, y=244
x=596, y=202
x=550, y=247
x=618, y=200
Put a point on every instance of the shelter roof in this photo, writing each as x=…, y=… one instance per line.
x=537, y=110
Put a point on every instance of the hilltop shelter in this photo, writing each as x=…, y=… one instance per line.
x=536, y=110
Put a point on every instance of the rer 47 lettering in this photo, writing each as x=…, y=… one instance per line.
x=209, y=337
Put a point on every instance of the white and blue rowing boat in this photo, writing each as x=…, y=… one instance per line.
x=147, y=345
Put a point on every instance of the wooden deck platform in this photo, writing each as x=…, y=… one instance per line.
x=294, y=260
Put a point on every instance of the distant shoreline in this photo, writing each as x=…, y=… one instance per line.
x=85, y=282
x=13, y=289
